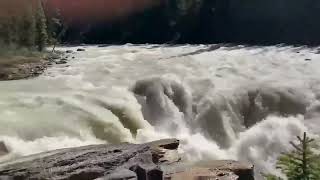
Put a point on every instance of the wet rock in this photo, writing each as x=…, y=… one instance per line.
x=218, y=170
x=84, y=163
x=120, y=162
x=62, y=62
x=53, y=56
x=3, y=149
x=202, y=174
x=148, y=172
x=307, y=59
x=69, y=51
x=122, y=174
x=81, y=49
x=104, y=45
x=164, y=151
x=245, y=171
x=170, y=144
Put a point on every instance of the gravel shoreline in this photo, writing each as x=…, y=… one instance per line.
x=22, y=70
x=22, y=67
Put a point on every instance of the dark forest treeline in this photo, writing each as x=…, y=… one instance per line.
x=210, y=21
x=172, y=21
x=23, y=26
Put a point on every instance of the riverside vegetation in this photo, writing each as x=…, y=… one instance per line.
x=24, y=34
x=303, y=163
x=26, y=30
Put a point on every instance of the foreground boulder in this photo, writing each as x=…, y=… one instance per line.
x=90, y=162
x=151, y=161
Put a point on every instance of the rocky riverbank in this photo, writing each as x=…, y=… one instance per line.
x=151, y=161
x=17, y=67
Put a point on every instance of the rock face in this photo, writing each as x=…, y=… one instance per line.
x=123, y=174
x=203, y=174
x=81, y=49
x=62, y=61
x=91, y=162
x=217, y=170
x=3, y=149
x=150, y=161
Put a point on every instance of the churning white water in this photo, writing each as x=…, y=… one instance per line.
x=243, y=103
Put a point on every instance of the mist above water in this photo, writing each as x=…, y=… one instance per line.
x=242, y=103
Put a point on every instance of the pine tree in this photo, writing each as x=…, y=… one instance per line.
x=57, y=28
x=182, y=16
x=41, y=27
x=300, y=164
x=28, y=29
x=13, y=36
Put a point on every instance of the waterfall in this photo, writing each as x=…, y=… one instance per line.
x=242, y=103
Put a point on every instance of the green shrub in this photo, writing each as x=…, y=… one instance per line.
x=300, y=164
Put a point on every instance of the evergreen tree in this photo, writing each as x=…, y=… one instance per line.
x=182, y=17
x=300, y=164
x=13, y=35
x=28, y=29
x=56, y=28
x=4, y=31
x=25, y=30
x=41, y=27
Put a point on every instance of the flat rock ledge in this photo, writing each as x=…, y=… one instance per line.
x=217, y=170
x=151, y=161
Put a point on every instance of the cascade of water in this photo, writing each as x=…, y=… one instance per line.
x=237, y=102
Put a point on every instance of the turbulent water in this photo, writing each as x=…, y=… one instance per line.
x=243, y=103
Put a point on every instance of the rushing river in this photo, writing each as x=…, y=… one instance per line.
x=243, y=103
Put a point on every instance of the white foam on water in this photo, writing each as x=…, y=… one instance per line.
x=243, y=103
x=263, y=143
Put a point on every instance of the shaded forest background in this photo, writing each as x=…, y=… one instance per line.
x=35, y=23
x=23, y=25
x=198, y=21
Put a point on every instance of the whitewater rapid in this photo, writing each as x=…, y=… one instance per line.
x=242, y=103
